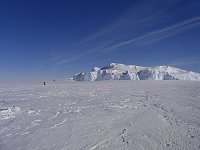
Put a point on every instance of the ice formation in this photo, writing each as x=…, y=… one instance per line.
x=116, y=71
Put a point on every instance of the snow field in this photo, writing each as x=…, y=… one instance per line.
x=107, y=115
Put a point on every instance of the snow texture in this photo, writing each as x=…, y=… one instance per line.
x=116, y=71
x=106, y=115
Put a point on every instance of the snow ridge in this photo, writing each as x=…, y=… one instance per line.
x=116, y=71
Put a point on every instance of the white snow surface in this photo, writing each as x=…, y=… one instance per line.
x=107, y=115
x=116, y=71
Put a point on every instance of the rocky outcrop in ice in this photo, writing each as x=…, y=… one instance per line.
x=116, y=71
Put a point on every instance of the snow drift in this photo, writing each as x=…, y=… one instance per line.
x=116, y=71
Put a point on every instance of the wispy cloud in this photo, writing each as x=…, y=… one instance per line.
x=136, y=28
x=157, y=35
x=139, y=41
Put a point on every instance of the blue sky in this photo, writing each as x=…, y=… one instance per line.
x=47, y=39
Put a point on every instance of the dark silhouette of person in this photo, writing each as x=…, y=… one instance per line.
x=44, y=83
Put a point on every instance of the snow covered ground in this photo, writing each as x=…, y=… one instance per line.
x=107, y=115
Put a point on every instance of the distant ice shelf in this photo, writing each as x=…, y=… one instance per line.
x=115, y=71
